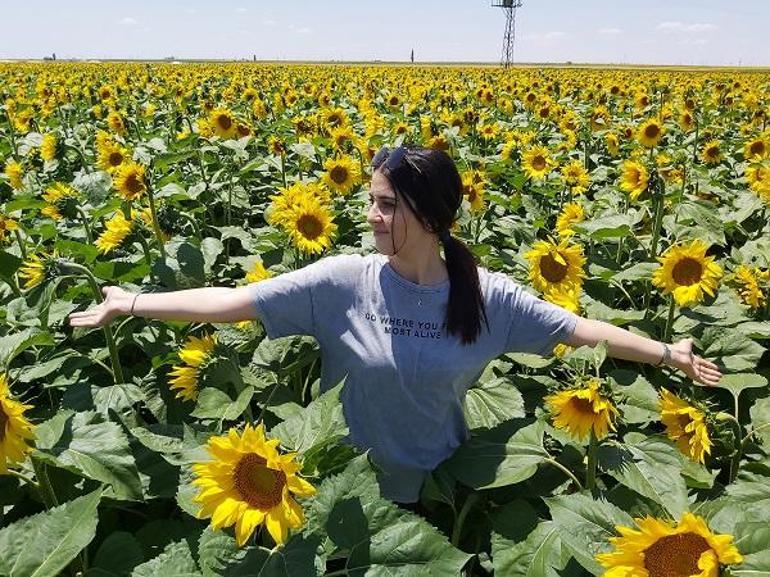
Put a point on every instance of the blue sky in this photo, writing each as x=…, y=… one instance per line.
x=701, y=32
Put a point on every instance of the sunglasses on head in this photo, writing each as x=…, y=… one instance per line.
x=392, y=158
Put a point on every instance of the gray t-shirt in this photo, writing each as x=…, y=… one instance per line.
x=406, y=377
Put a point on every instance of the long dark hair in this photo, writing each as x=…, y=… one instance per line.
x=428, y=181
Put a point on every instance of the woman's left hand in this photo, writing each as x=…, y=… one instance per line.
x=695, y=367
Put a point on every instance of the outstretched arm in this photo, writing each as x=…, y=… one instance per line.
x=210, y=304
x=623, y=344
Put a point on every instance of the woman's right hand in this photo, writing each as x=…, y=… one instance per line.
x=116, y=302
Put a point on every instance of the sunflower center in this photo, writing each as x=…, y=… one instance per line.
x=552, y=270
x=116, y=159
x=309, y=226
x=652, y=131
x=471, y=192
x=687, y=272
x=757, y=148
x=3, y=423
x=713, y=151
x=339, y=174
x=259, y=485
x=582, y=406
x=675, y=555
x=538, y=162
x=134, y=184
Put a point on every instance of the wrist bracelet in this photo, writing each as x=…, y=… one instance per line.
x=666, y=355
x=133, y=303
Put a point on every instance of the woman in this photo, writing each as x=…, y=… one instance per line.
x=410, y=331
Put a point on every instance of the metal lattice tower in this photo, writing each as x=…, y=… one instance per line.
x=509, y=37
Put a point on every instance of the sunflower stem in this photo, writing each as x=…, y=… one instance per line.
x=27, y=480
x=566, y=471
x=458, y=525
x=22, y=248
x=593, y=446
x=283, y=169
x=669, y=319
x=86, y=226
x=117, y=369
x=155, y=225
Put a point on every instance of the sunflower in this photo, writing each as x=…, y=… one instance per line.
x=711, y=153
x=116, y=123
x=537, y=162
x=686, y=121
x=129, y=180
x=747, y=280
x=33, y=271
x=612, y=142
x=342, y=174
x=14, y=172
x=582, y=409
x=61, y=199
x=571, y=214
x=310, y=226
x=659, y=548
x=687, y=273
x=117, y=229
x=757, y=149
x=649, y=133
x=223, y=123
x=341, y=135
x=567, y=297
x=473, y=189
x=48, y=147
x=195, y=354
x=6, y=226
x=15, y=429
x=249, y=483
x=334, y=117
x=555, y=266
x=111, y=155
x=575, y=177
x=686, y=425
x=280, y=210
x=633, y=178
x=258, y=272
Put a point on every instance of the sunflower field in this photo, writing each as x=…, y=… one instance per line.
x=635, y=196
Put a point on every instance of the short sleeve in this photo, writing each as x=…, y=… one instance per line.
x=288, y=304
x=536, y=326
x=526, y=323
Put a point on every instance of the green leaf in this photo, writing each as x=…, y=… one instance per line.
x=44, y=544
x=211, y=248
x=492, y=402
x=651, y=468
x=9, y=264
x=641, y=403
x=175, y=561
x=638, y=271
x=586, y=525
x=119, y=554
x=191, y=262
x=756, y=565
x=14, y=344
x=540, y=555
x=611, y=226
x=760, y=419
x=735, y=383
x=732, y=349
x=501, y=456
x=321, y=422
x=216, y=404
x=755, y=330
x=376, y=536
x=97, y=450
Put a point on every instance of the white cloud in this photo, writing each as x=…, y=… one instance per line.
x=128, y=21
x=609, y=31
x=241, y=10
x=269, y=22
x=692, y=27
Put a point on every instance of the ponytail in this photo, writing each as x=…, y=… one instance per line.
x=466, y=303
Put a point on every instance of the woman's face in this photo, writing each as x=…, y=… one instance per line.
x=394, y=224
